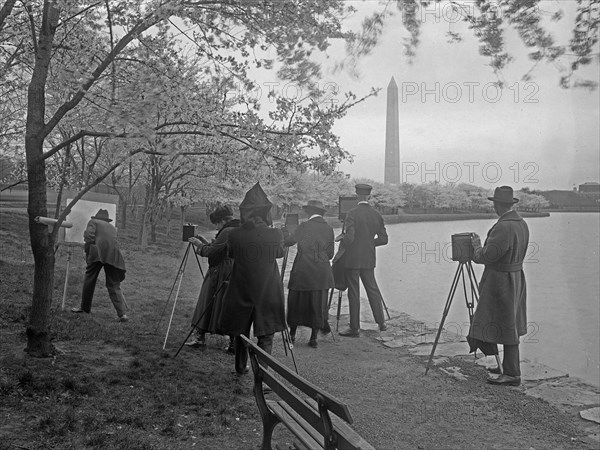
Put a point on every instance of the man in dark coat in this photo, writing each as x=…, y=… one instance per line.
x=102, y=250
x=254, y=296
x=364, y=230
x=311, y=276
x=501, y=317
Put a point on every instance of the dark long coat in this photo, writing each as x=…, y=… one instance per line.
x=101, y=245
x=501, y=315
x=364, y=230
x=220, y=264
x=255, y=291
x=311, y=270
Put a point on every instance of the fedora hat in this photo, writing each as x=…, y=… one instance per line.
x=363, y=189
x=315, y=205
x=503, y=194
x=102, y=214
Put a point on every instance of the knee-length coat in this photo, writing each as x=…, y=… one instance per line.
x=311, y=270
x=255, y=291
x=210, y=298
x=501, y=314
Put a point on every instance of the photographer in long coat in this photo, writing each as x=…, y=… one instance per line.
x=209, y=302
x=311, y=276
x=501, y=316
x=254, y=297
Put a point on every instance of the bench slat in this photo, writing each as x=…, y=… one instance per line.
x=310, y=415
x=297, y=425
x=347, y=437
x=333, y=404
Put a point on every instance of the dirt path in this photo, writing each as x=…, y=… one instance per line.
x=396, y=406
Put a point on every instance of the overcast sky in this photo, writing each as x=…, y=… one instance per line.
x=456, y=126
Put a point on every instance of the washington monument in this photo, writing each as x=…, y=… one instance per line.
x=392, y=136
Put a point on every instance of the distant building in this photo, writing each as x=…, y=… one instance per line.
x=589, y=188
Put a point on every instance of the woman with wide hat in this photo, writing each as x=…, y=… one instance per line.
x=254, y=297
x=219, y=268
x=311, y=276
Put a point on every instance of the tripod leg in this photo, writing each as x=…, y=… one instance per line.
x=339, y=310
x=284, y=263
x=499, y=364
x=474, y=291
x=184, y=262
x=330, y=299
x=385, y=306
x=446, y=309
x=198, y=261
x=179, y=272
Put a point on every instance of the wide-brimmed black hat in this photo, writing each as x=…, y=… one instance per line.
x=315, y=205
x=503, y=194
x=102, y=214
x=256, y=203
x=363, y=189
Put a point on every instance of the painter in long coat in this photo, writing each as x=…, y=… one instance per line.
x=501, y=317
x=255, y=292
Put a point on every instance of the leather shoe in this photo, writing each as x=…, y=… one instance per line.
x=326, y=329
x=505, y=380
x=494, y=370
x=77, y=310
x=349, y=332
x=382, y=327
x=312, y=343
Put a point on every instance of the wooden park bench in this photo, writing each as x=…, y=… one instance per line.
x=319, y=421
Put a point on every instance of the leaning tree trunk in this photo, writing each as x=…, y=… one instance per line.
x=42, y=242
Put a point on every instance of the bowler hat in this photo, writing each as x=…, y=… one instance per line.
x=363, y=189
x=102, y=214
x=503, y=194
x=315, y=205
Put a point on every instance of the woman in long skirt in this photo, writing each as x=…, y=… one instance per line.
x=209, y=303
x=311, y=276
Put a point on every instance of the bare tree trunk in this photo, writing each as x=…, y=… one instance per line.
x=124, y=205
x=182, y=217
x=169, y=217
x=42, y=242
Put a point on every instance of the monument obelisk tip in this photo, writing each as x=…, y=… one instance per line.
x=392, y=136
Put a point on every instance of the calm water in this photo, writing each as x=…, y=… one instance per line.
x=415, y=272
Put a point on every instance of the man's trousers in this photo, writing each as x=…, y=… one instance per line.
x=113, y=285
x=373, y=294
